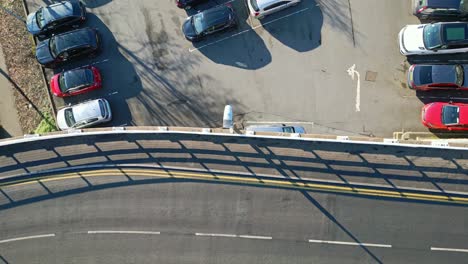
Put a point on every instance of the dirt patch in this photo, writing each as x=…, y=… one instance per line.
x=23, y=71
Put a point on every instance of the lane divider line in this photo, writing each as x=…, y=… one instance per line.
x=124, y=232
x=25, y=238
x=449, y=249
x=348, y=243
x=215, y=235
x=256, y=237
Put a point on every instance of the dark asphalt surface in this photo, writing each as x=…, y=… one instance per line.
x=179, y=210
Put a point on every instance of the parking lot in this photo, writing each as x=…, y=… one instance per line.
x=332, y=66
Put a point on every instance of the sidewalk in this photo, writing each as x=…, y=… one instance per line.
x=9, y=122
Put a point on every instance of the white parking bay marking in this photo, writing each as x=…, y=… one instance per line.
x=124, y=232
x=352, y=72
x=247, y=30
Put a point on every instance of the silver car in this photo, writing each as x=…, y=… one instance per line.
x=85, y=114
x=261, y=8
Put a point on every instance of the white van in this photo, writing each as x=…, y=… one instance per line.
x=277, y=129
x=261, y=8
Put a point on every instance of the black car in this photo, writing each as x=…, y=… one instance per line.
x=212, y=20
x=187, y=4
x=441, y=9
x=49, y=19
x=62, y=47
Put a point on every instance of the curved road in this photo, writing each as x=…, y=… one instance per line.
x=141, y=213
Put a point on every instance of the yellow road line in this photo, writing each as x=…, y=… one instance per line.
x=161, y=173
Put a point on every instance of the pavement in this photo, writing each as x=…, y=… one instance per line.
x=9, y=121
x=293, y=67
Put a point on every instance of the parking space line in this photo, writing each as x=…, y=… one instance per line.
x=247, y=30
x=124, y=232
x=215, y=235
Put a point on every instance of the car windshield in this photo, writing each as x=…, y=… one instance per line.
x=460, y=74
x=69, y=118
x=198, y=23
x=102, y=107
x=254, y=5
x=431, y=36
x=53, y=47
x=40, y=18
x=62, y=84
x=450, y=115
x=288, y=129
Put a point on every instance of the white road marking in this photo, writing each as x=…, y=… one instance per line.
x=352, y=72
x=256, y=237
x=87, y=65
x=215, y=235
x=449, y=249
x=124, y=232
x=113, y=93
x=348, y=243
x=233, y=236
x=247, y=30
x=25, y=238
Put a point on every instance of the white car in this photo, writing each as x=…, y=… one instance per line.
x=261, y=8
x=84, y=114
x=435, y=38
x=276, y=129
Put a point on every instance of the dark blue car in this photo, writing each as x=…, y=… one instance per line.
x=446, y=10
x=66, y=46
x=57, y=16
x=207, y=22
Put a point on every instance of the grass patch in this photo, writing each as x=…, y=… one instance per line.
x=47, y=125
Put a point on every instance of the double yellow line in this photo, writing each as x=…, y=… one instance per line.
x=251, y=180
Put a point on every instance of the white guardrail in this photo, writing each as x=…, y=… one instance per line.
x=436, y=143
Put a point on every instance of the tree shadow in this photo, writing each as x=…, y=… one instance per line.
x=298, y=27
x=119, y=77
x=241, y=48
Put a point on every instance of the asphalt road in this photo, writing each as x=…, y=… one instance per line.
x=290, y=67
x=188, y=222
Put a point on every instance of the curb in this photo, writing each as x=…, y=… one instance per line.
x=44, y=79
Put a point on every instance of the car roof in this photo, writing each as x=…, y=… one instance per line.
x=428, y=74
x=444, y=3
x=454, y=32
x=60, y=10
x=75, y=38
x=77, y=77
x=264, y=3
x=86, y=110
x=216, y=15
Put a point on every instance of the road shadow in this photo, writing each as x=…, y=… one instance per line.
x=119, y=78
x=337, y=14
x=4, y=133
x=298, y=27
x=241, y=48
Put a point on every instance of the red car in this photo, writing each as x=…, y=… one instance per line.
x=445, y=116
x=76, y=81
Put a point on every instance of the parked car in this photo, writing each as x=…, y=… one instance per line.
x=435, y=38
x=429, y=77
x=276, y=129
x=445, y=116
x=77, y=81
x=207, y=22
x=85, y=114
x=68, y=45
x=261, y=8
x=187, y=4
x=49, y=19
x=437, y=10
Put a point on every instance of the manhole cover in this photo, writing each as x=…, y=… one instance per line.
x=371, y=76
